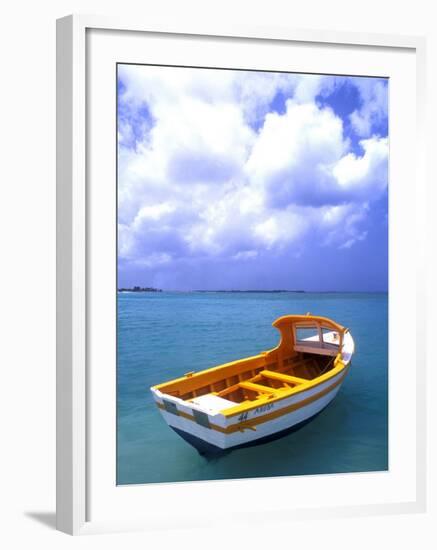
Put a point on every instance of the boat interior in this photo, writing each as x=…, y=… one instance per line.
x=308, y=348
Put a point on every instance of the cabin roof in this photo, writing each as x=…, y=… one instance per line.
x=308, y=320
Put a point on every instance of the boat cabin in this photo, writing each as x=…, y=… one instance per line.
x=310, y=335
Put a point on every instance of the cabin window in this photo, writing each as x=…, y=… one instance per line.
x=304, y=333
x=315, y=339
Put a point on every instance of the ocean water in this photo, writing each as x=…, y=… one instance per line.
x=163, y=335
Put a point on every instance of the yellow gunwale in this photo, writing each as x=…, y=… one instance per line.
x=202, y=373
x=252, y=422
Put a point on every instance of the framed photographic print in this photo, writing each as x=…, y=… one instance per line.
x=240, y=274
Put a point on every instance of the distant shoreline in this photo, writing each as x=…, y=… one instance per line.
x=250, y=291
x=139, y=289
x=257, y=291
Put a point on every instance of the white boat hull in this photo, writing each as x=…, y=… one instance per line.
x=217, y=432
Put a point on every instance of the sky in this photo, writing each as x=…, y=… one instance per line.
x=251, y=180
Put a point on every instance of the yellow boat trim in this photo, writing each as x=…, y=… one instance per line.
x=251, y=423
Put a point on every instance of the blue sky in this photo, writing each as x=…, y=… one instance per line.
x=251, y=180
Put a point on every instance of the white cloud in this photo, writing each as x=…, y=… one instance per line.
x=366, y=174
x=374, y=97
x=204, y=181
x=294, y=152
x=341, y=224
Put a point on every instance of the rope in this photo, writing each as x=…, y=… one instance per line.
x=328, y=364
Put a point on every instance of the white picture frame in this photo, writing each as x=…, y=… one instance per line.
x=74, y=343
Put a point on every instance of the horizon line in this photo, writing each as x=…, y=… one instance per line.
x=152, y=289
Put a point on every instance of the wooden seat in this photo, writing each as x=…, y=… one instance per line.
x=227, y=390
x=256, y=387
x=282, y=377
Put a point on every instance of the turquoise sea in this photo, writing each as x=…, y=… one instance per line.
x=163, y=335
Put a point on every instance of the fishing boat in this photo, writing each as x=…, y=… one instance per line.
x=263, y=397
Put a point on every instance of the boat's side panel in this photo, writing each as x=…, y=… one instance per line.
x=283, y=415
x=254, y=415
